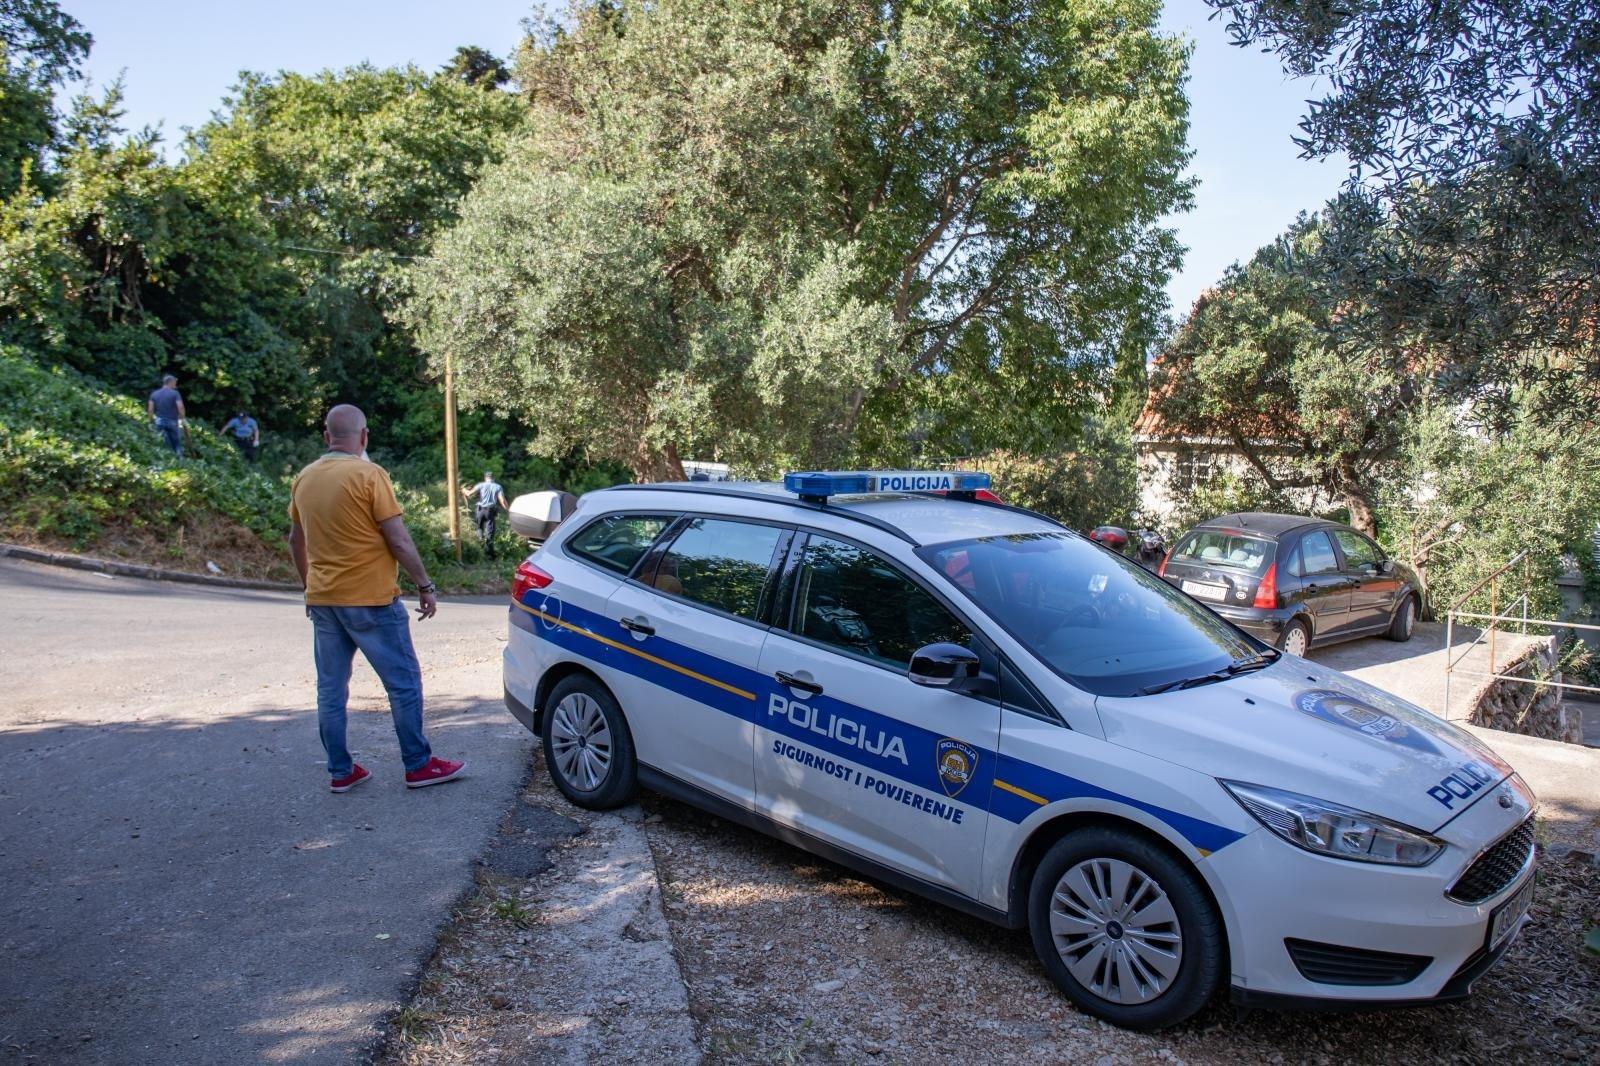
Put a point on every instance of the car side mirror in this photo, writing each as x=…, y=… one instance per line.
x=943, y=666
x=1386, y=567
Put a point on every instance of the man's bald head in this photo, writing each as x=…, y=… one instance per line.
x=346, y=429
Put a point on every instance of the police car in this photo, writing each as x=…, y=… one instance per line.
x=969, y=701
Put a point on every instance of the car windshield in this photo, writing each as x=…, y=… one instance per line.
x=1225, y=548
x=1107, y=625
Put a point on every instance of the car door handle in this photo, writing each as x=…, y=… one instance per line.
x=785, y=678
x=638, y=626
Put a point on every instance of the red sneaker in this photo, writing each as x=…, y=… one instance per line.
x=435, y=772
x=351, y=779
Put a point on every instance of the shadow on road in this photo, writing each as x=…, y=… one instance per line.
x=192, y=892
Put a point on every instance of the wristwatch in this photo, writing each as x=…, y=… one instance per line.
x=429, y=587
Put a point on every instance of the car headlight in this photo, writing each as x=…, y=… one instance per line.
x=1331, y=829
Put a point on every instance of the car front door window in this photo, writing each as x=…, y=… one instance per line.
x=853, y=600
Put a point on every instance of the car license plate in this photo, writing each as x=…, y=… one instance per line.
x=1201, y=590
x=1505, y=920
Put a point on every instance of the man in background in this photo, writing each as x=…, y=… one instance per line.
x=166, y=407
x=486, y=511
x=347, y=537
x=246, y=434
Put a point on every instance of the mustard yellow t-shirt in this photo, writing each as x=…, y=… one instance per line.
x=339, y=501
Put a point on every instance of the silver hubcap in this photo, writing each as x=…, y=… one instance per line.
x=581, y=742
x=1116, y=930
x=1405, y=619
x=1295, y=642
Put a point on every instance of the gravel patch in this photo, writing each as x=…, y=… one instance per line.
x=779, y=957
x=793, y=959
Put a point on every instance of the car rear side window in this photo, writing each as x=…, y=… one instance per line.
x=856, y=601
x=1316, y=554
x=723, y=565
x=1226, y=548
x=617, y=542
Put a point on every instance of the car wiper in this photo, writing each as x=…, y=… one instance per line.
x=1233, y=669
x=1254, y=662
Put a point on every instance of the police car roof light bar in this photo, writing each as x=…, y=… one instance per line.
x=816, y=486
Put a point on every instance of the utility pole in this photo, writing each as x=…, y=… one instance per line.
x=451, y=475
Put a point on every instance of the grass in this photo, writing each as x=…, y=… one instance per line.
x=82, y=470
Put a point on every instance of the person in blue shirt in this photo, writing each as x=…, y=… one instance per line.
x=490, y=497
x=165, y=405
x=246, y=434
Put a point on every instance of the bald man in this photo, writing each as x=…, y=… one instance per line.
x=348, y=538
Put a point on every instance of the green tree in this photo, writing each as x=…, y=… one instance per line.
x=352, y=172
x=1301, y=348
x=476, y=66
x=40, y=49
x=133, y=267
x=1476, y=120
x=786, y=232
x=1459, y=504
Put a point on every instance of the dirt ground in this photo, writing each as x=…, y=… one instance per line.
x=789, y=959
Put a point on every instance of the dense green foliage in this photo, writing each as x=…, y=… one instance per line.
x=1260, y=362
x=1301, y=348
x=40, y=49
x=1092, y=484
x=792, y=232
x=76, y=459
x=1476, y=122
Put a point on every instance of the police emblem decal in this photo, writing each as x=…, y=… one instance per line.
x=957, y=762
x=1505, y=799
x=1337, y=708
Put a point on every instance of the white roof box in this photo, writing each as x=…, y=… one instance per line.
x=536, y=515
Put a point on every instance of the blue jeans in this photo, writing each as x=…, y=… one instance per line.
x=383, y=635
x=173, y=433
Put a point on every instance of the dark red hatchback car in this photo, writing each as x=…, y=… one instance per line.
x=1295, y=582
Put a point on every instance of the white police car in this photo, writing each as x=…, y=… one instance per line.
x=967, y=700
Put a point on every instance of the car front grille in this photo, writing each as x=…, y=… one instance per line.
x=1331, y=964
x=1496, y=868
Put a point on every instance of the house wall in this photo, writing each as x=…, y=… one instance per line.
x=1161, y=463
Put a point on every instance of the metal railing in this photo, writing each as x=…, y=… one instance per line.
x=1494, y=618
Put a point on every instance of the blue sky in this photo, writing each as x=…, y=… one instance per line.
x=180, y=56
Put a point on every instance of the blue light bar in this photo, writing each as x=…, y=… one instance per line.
x=820, y=484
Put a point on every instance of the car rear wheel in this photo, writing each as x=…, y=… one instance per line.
x=1125, y=929
x=1296, y=638
x=587, y=746
x=1404, y=620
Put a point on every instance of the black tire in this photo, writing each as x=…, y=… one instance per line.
x=1296, y=627
x=1405, y=616
x=1202, y=961
x=585, y=698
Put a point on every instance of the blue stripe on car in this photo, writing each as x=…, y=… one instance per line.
x=746, y=694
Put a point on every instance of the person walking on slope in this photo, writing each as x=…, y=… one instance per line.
x=246, y=434
x=486, y=512
x=165, y=405
x=347, y=537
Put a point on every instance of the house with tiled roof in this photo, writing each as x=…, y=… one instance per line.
x=1173, y=464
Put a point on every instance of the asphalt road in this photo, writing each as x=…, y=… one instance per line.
x=178, y=883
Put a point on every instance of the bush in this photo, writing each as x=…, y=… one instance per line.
x=1094, y=485
x=76, y=459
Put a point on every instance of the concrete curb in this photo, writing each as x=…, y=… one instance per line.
x=149, y=573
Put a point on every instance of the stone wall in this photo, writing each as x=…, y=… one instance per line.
x=1532, y=710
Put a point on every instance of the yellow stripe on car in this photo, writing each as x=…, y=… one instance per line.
x=685, y=671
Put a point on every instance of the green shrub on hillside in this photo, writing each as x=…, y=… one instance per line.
x=75, y=458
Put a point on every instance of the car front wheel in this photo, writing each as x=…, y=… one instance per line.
x=587, y=746
x=1125, y=929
